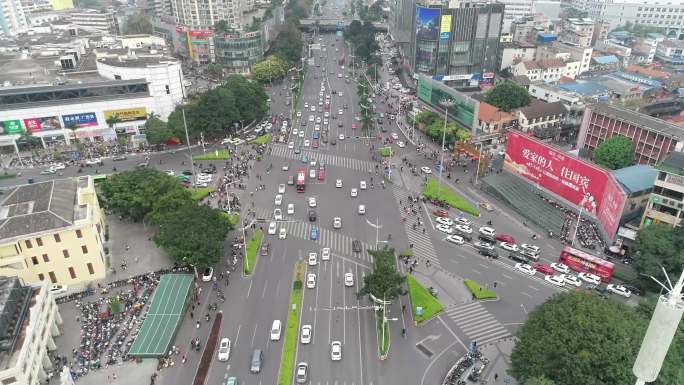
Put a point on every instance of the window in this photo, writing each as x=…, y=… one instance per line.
x=34, y=260
x=72, y=273
x=53, y=278
x=57, y=238
x=79, y=234
x=117, y=77
x=84, y=249
x=45, y=258
x=28, y=244
x=168, y=91
x=91, y=270
x=66, y=253
x=39, y=242
x=41, y=277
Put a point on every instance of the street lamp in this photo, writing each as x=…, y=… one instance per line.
x=446, y=103
x=579, y=217
x=187, y=141
x=377, y=227
x=385, y=320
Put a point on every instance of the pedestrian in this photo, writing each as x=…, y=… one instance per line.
x=114, y=376
x=496, y=376
x=198, y=324
x=192, y=315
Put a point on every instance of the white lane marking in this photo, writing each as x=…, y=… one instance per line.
x=254, y=333
x=263, y=293
x=533, y=288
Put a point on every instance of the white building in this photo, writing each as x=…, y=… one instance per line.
x=548, y=70
x=577, y=32
x=671, y=52
x=24, y=351
x=95, y=20
x=513, y=53
x=568, y=53
x=12, y=17
x=204, y=14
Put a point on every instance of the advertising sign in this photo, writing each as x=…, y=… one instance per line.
x=11, y=127
x=427, y=23
x=127, y=114
x=80, y=120
x=582, y=184
x=201, y=33
x=445, y=27
x=433, y=92
x=42, y=124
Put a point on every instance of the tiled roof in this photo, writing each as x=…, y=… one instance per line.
x=637, y=178
x=539, y=110
x=543, y=64
x=489, y=113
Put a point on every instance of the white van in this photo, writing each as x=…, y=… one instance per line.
x=276, y=329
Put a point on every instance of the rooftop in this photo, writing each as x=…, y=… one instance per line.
x=39, y=207
x=636, y=179
x=136, y=61
x=488, y=113
x=608, y=59
x=639, y=119
x=541, y=109
x=673, y=164
x=673, y=43
x=543, y=64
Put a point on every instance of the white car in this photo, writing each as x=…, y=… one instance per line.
x=455, y=239
x=362, y=185
x=336, y=350
x=444, y=228
x=325, y=254
x=306, y=334
x=208, y=274
x=311, y=280
x=338, y=183
x=276, y=330
x=313, y=108
x=272, y=227
x=401, y=144
x=312, y=201
x=340, y=112
x=93, y=162
x=318, y=119
x=619, y=290
x=290, y=208
x=558, y=280
x=463, y=221
x=488, y=231
x=311, y=118
x=299, y=114
x=306, y=105
x=509, y=246
x=301, y=134
x=317, y=127
x=313, y=260
x=337, y=223
x=278, y=215
x=224, y=350
x=312, y=174
x=525, y=268
x=281, y=188
x=286, y=167
x=341, y=137
x=283, y=233
x=326, y=114
x=463, y=228
x=561, y=268
x=307, y=143
x=170, y=172
x=295, y=131
x=532, y=248
x=362, y=209
x=590, y=278
x=278, y=200
x=394, y=136
x=572, y=280
x=354, y=192
x=349, y=279
x=426, y=170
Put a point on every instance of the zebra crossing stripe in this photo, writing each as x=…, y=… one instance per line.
x=485, y=323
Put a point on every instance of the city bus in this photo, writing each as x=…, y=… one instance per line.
x=300, y=183
x=580, y=261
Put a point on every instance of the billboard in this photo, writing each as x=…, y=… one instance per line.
x=433, y=92
x=427, y=23
x=42, y=124
x=11, y=127
x=80, y=120
x=445, y=27
x=582, y=184
x=127, y=114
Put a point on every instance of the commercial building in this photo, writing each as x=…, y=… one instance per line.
x=637, y=182
x=458, y=44
x=542, y=119
x=653, y=138
x=464, y=111
x=12, y=17
x=52, y=232
x=196, y=45
x=31, y=321
x=549, y=70
x=400, y=23
x=671, y=52
x=93, y=19
x=514, y=53
x=493, y=121
x=203, y=14
x=573, y=102
x=237, y=52
x=577, y=32
x=666, y=202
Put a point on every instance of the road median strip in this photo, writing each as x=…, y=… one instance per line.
x=478, y=291
x=421, y=297
x=251, y=252
x=291, y=328
x=444, y=194
x=223, y=154
x=383, y=336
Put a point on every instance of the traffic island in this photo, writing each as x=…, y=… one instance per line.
x=197, y=194
x=383, y=334
x=433, y=191
x=209, y=349
x=424, y=306
x=263, y=139
x=223, y=154
x=251, y=252
x=385, y=152
x=478, y=291
x=292, y=328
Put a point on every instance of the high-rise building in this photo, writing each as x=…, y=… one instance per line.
x=459, y=44
x=400, y=22
x=12, y=17
x=203, y=14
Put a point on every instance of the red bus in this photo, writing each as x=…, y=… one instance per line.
x=300, y=183
x=580, y=261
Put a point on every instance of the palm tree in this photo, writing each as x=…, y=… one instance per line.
x=73, y=127
x=112, y=120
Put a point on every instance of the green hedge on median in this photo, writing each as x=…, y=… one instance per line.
x=420, y=296
x=444, y=194
x=478, y=291
x=251, y=252
x=291, y=328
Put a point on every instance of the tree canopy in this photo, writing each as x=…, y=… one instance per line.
x=288, y=44
x=272, y=67
x=156, y=130
x=384, y=280
x=614, y=153
x=658, y=245
x=507, y=96
x=362, y=38
x=138, y=23
x=593, y=341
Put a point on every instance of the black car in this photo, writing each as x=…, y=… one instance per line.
x=333, y=141
x=518, y=258
x=488, y=253
x=356, y=246
x=312, y=216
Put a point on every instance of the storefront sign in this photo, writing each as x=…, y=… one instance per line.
x=87, y=119
x=127, y=114
x=445, y=27
x=427, y=23
x=11, y=127
x=42, y=124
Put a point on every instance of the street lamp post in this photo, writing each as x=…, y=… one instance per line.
x=579, y=217
x=377, y=227
x=446, y=103
x=479, y=159
x=385, y=320
x=187, y=141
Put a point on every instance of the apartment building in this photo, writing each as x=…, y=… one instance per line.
x=52, y=232
x=541, y=119
x=30, y=322
x=577, y=32
x=203, y=14
x=513, y=53
x=550, y=70
x=93, y=19
x=671, y=52
x=12, y=17
x=566, y=52
x=666, y=203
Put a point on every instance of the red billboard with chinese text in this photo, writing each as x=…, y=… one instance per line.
x=581, y=183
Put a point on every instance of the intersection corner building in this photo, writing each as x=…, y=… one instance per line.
x=52, y=232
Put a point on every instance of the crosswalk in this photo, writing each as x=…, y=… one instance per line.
x=477, y=323
x=282, y=151
x=422, y=245
x=336, y=241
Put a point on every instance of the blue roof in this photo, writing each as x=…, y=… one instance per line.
x=635, y=179
x=609, y=59
x=587, y=88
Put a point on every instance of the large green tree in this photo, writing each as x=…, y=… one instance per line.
x=507, y=96
x=384, y=280
x=362, y=38
x=271, y=68
x=156, y=130
x=138, y=23
x=194, y=235
x=580, y=338
x=658, y=245
x=288, y=44
x=614, y=153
